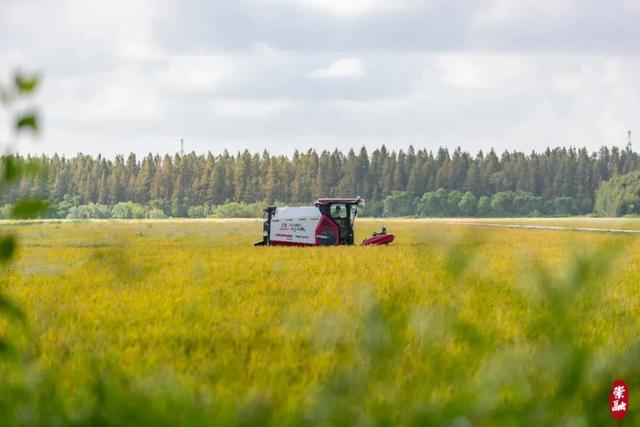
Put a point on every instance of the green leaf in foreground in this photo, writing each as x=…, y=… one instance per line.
x=5, y=348
x=30, y=208
x=7, y=247
x=10, y=168
x=9, y=308
x=28, y=121
x=25, y=83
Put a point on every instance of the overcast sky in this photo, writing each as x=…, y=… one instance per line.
x=133, y=75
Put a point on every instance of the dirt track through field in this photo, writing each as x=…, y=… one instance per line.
x=548, y=227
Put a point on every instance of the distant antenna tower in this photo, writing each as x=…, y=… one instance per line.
x=629, y=140
x=181, y=147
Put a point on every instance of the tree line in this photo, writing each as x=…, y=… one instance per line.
x=196, y=184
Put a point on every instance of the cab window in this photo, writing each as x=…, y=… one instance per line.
x=338, y=211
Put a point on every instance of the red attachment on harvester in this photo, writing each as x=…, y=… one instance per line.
x=380, y=239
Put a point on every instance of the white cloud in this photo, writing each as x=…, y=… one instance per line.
x=249, y=108
x=379, y=106
x=199, y=73
x=123, y=28
x=342, y=68
x=121, y=95
x=483, y=71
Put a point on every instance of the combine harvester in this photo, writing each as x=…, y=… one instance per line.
x=328, y=223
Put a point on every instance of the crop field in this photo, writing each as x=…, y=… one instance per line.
x=187, y=323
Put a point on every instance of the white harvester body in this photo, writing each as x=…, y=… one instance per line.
x=295, y=225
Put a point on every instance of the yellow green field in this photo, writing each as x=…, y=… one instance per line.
x=450, y=325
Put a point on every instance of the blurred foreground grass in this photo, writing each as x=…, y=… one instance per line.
x=186, y=323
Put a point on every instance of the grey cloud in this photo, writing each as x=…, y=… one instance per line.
x=236, y=25
x=439, y=25
x=587, y=26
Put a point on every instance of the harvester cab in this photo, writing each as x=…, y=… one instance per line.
x=343, y=213
x=328, y=223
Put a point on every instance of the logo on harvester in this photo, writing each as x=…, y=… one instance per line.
x=619, y=400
